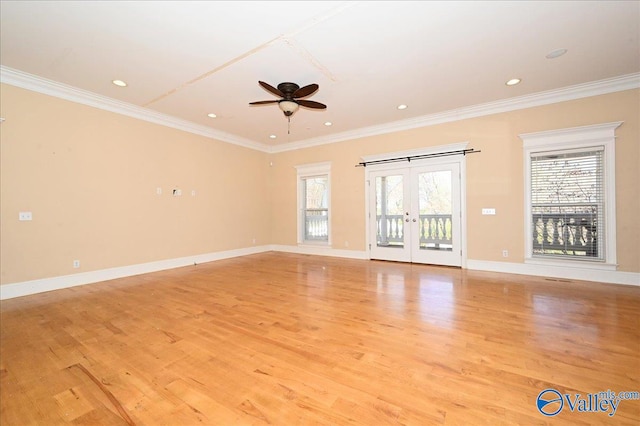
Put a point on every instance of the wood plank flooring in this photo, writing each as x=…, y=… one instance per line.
x=288, y=339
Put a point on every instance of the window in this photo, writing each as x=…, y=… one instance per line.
x=314, y=182
x=570, y=196
x=567, y=204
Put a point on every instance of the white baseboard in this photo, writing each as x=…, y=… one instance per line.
x=321, y=251
x=25, y=288
x=612, y=277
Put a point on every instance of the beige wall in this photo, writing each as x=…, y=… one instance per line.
x=494, y=177
x=90, y=178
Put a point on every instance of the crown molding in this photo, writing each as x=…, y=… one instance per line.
x=52, y=88
x=59, y=90
x=602, y=87
x=595, y=132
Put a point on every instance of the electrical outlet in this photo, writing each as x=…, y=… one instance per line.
x=25, y=216
x=76, y=264
x=505, y=253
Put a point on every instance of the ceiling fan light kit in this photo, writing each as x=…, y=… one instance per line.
x=288, y=107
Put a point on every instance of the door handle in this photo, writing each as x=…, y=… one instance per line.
x=413, y=220
x=407, y=220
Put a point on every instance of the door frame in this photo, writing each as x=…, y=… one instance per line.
x=441, y=149
x=397, y=254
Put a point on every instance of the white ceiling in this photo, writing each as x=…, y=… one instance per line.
x=187, y=59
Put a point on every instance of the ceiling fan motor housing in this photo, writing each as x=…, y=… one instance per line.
x=288, y=89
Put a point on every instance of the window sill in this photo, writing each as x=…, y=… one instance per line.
x=578, y=264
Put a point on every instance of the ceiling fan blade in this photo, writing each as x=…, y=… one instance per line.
x=305, y=91
x=310, y=104
x=271, y=89
x=263, y=102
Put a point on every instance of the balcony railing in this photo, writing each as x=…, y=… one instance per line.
x=316, y=225
x=565, y=230
x=435, y=230
x=555, y=231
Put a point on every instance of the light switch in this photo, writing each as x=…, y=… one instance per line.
x=489, y=211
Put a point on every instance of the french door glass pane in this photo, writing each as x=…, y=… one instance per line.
x=435, y=203
x=390, y=211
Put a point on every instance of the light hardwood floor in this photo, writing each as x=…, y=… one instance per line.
x=289, y=339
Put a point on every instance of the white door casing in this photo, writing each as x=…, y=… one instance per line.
x=424, y=221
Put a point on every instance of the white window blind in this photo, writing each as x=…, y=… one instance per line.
x=568, y=204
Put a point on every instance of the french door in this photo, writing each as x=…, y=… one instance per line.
x=414, y=214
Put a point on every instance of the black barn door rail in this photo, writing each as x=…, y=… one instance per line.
x=418, y=157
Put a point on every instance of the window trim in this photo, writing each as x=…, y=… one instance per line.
x=582, y=138
x=305, y=171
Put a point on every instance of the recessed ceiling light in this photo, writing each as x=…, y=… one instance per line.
x=211, y=115
x=402, y=106
x=513, y=82
x=556, y=53
x=328, y=123
x=272, y=136
x=119, y=83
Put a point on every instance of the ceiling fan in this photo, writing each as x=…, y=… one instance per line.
x=291, y=94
